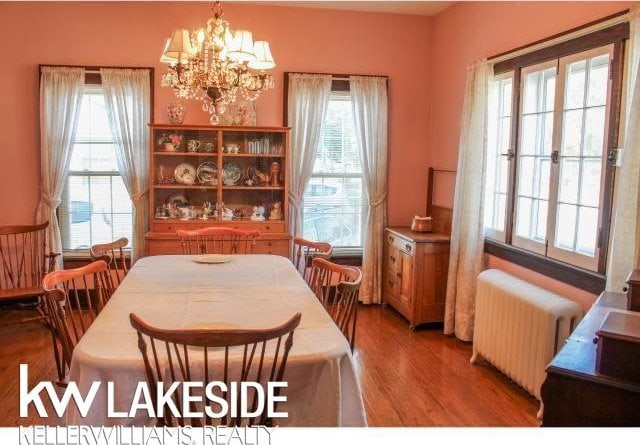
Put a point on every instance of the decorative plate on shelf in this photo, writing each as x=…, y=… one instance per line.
x=185, y=173
x=231, y=173
x=207, y=173
x=178, y=200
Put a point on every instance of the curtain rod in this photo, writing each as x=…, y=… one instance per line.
x=340, y=76
x=596, y=25
x=96, y=69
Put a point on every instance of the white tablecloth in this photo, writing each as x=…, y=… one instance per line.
x=251, y=291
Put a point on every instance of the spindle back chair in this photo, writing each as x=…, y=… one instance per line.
x=114, y=255
x=206, y=355
x=222, y=240
x=24, y=261
x=74, y=299
x=304, y=251
x=338, y=287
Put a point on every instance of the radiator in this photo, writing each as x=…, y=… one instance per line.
x=519, y=327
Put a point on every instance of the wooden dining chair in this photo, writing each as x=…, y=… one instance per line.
x=205, y=355
x=74, y=298
x=24, y=261
x=114, y=255
x=337, y=287
x=304, y=251
x=217, y=240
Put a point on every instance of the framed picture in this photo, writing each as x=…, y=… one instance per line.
x=241, y=112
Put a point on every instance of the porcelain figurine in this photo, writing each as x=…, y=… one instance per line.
x=258, y=213
x=276, y=211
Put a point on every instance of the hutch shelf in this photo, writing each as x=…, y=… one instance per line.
x=202, y=176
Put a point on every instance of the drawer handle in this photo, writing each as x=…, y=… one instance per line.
x=398, y=274
x=393, y=258
x=268, y=228
x=390, y=282
x=408, y=247
x=269, y=244
x=390, y=239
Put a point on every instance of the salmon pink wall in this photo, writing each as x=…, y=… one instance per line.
x=132, y=34
x=469, y=31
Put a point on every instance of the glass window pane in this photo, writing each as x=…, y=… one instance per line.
x=545, y=171
x=574, y=89
x=547, y=144
x=93, y=157
x=549, y=89
x=504, y=175
x=569, y=180
x=95, y=205
x=594, y=131
x=590, y=183
x=572, y=133
x=93, y=122
x=530, y=96
x=587, y=231
x=566, y=226
x=541, y=223
x=523, y=223
x=526, y=172
x=598, y=81
x=529, y=135
x=338, y=151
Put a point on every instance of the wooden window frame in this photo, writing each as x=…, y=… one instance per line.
x=591, y=281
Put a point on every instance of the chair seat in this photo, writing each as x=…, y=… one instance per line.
x=21, y=292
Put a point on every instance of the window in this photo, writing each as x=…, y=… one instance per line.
x=548, y=176
x=95, y=207
x=334, y=198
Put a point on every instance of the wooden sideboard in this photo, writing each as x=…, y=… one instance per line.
x=415, y=267
x=574, y=394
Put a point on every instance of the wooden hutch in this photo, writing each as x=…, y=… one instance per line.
x=196, y=171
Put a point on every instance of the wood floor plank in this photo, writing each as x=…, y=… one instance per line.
x=420, y=378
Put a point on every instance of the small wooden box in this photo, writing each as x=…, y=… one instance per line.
x=618, y=347
x=633, y=290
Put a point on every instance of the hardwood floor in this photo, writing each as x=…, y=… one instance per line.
x=423, y=378
x=419, y=378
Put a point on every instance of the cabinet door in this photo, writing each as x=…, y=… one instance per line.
x=405, y=276
x=432, y=282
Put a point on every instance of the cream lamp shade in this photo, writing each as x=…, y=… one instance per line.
x=180, y=47
x=241, y=49
x=264, y=59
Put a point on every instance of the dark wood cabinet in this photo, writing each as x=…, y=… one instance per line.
x=574, y=394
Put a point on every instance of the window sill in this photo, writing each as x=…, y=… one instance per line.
x=583, y=279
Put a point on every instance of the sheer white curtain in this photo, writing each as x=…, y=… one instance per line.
x=60, y=97
x=369, y=99
x=307, y=106
x=625, y=240
x=127, y=96
x=467, y=235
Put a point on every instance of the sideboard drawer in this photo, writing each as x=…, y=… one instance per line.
x=403, y=245
x=272, y=247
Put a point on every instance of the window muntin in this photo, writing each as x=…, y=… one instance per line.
x=334, y=200
x=95, y=207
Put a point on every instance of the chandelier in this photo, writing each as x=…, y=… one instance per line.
x=216, y=65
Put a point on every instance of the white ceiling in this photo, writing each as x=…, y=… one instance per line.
x=416, y=7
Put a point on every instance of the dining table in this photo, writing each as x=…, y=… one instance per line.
x=246, y=292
